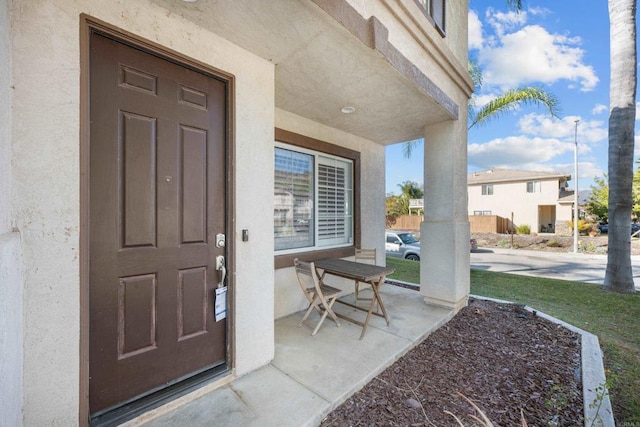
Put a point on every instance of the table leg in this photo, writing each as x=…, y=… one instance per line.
x=374, y=285
x=377, y=297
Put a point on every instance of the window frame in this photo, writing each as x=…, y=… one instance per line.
x=296, y=140
x=536, y=187
x=440, y=22
x=486, y=190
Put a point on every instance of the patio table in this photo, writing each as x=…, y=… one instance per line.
x=373, y=275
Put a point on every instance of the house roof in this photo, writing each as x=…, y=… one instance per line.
x=567, y=197
x=510, y=175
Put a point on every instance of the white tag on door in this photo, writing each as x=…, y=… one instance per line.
x=221, y=303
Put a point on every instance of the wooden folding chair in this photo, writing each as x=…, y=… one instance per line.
x=367, y=256
x=321, y=297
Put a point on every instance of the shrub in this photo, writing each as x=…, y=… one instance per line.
x=523, y=229
x=554, y=244
x=583, y=226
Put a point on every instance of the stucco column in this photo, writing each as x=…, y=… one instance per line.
x=444, y=234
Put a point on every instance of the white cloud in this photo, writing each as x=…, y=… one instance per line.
x=532, y=54
x=502, y=22
x=586, y=172
x=517, y=152
x=541, y=11
x=483, y=99
x=637, y=110
x=601, y=108
x=589, y=131
x=475, y=31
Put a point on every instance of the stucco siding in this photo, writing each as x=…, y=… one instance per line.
x=11, y=329
x=46, y=66
x=289, y=298
x=441, y=59
x=11, y=281
x=513, y=198
x=40, y=168
x=6, y=97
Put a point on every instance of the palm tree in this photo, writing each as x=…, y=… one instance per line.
x=499, y=105
x=515, y=4
x=622, y=112
x=411, y=190
x=511, y=99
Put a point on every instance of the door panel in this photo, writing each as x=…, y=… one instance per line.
x=157, y=200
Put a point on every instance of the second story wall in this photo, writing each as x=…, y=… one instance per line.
x=442, y=57
x=519, y=198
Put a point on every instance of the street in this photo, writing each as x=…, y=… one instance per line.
x=557, y=265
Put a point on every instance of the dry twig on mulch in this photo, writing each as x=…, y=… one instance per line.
x=502, y=357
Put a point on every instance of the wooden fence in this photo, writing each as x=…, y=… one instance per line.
x=407, y=222
x=489, y=224
x=479, y=223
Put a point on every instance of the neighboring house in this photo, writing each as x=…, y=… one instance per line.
x=416, y=206
x=540, y=200
x=145, y=143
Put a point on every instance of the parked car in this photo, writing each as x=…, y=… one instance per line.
x=402, y=244
x=604, y=228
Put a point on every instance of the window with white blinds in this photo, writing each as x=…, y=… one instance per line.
x=313, y=200
x=334, y=201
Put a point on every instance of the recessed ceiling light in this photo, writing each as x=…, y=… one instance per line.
x=348, y=109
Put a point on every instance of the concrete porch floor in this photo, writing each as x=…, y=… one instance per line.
x=311, y=375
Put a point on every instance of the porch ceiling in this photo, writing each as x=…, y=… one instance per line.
x=321, y=66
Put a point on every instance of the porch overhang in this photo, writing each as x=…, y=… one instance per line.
x=327, y=56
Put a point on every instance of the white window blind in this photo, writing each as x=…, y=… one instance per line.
x=334, y=201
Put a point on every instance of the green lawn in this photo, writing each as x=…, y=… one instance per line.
x=614, y=318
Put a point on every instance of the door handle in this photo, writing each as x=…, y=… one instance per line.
x=220, y=266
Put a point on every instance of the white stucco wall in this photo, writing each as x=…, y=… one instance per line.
x=11, y=328
x=564, y=215
x=441, y=59
x=513, y=197
x=5, y=118
x=289, y=298
x=444, y=271
x=45, y=141
x=11, y=295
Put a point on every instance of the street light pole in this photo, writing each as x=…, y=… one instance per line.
x=575, y=194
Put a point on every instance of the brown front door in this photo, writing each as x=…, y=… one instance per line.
x=157, y=202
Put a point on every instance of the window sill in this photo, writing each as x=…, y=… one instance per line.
x=284, y=261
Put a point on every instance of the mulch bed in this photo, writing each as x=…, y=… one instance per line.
x=502, y=357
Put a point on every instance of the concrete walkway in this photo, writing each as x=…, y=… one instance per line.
x=310, y=376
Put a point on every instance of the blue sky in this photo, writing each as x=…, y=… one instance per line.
x=562, y=46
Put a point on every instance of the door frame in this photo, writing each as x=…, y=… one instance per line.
x=89, y=25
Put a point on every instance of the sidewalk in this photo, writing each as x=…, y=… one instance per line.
x=580, y=267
